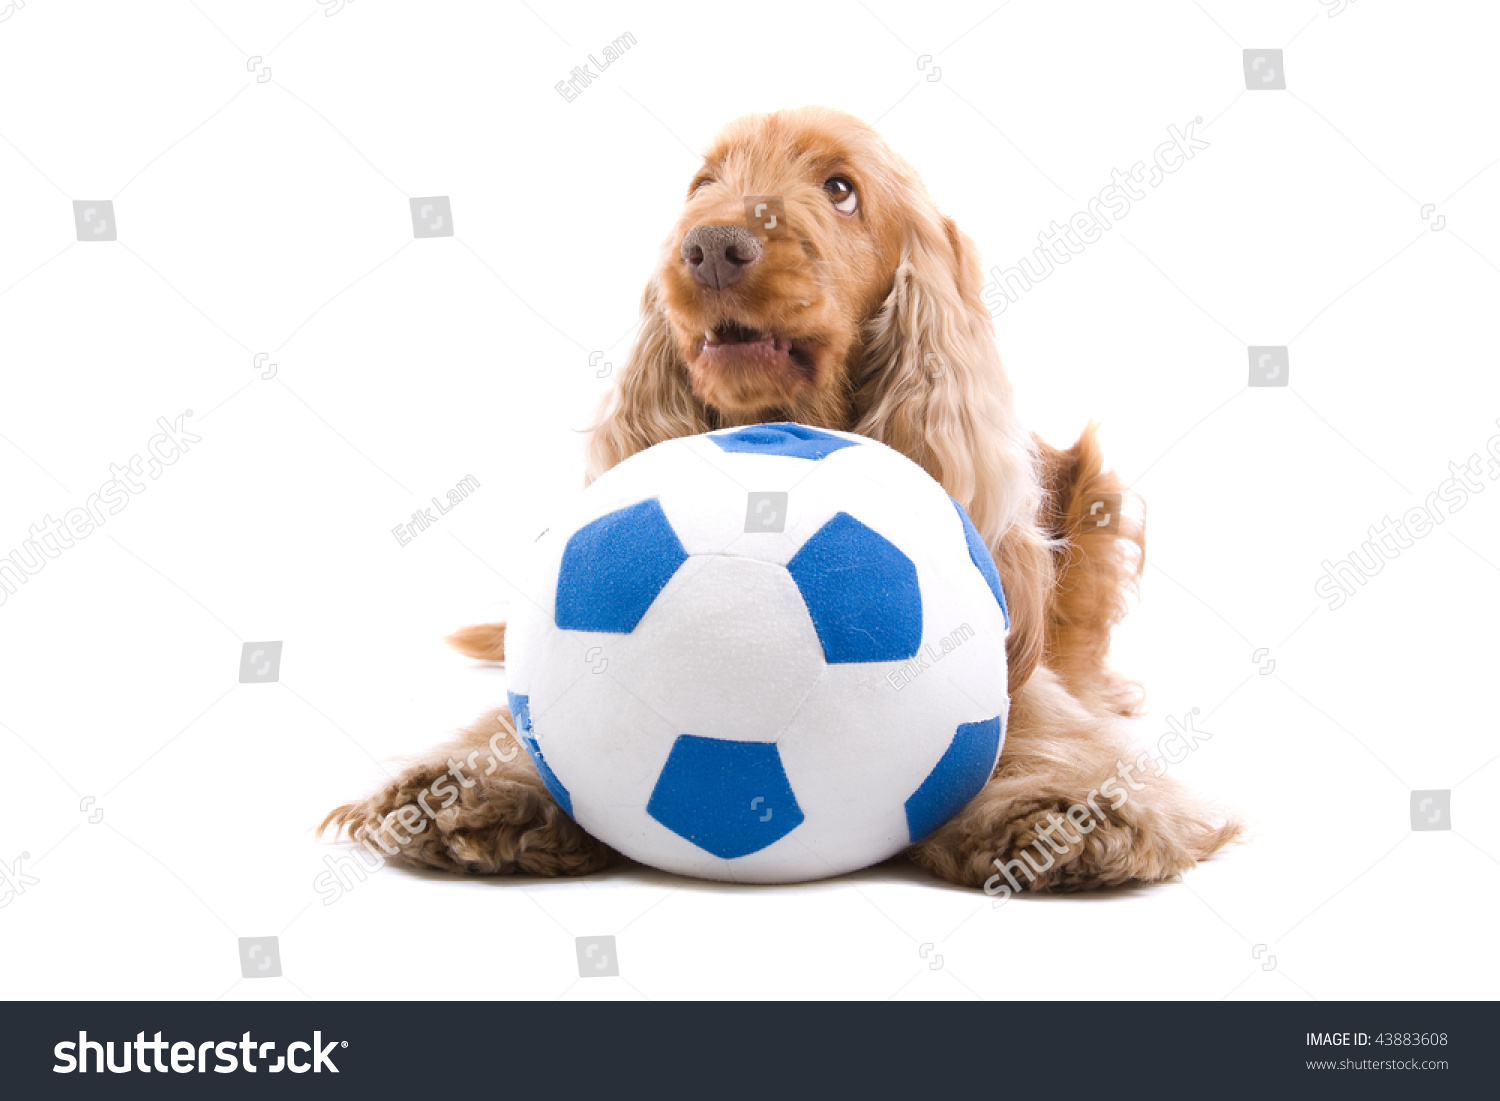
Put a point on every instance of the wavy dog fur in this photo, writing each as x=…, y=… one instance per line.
x=867, y=320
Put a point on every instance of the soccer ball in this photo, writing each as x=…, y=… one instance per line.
x=763, y=654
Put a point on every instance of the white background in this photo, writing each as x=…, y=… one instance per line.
x=272, y=217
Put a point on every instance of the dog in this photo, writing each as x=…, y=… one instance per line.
x=810, y=278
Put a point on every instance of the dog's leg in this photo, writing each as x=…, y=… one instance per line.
x=1060, y=756
x=1099, y=552
x=474, y=805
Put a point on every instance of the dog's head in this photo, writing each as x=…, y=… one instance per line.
x=788, y=243
x=810, y=277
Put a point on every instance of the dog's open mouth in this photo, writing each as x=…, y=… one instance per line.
x=732, y=345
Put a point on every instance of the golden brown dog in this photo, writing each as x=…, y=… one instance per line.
x=859, y=309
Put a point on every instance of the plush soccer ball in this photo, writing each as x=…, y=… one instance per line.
x=763, y=654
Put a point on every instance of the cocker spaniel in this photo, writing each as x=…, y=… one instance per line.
x=859, y=309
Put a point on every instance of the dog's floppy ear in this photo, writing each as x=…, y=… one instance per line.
x=931, y=385
x=651, y=401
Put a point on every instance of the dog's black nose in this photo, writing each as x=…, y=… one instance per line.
x=719, y=256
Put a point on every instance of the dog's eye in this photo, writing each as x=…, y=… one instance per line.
x=700, y=183
x=841, y=191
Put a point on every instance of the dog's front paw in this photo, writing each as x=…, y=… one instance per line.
x=440, y=814
x=1062, y=846
x=1047, y=851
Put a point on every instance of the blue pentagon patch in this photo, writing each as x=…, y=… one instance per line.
x=613, y=568
x=861, y=592
x=728, y=798
x=782, y=438
x=980, y=555
x=957, y=777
